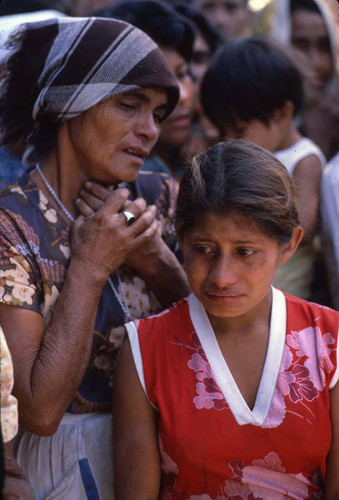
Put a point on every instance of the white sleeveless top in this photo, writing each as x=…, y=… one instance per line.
x=295, y=276
x=291, y=156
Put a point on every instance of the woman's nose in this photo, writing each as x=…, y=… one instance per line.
x=223, y=272
x=147, y=127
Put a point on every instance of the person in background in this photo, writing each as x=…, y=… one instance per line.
x=233, y=392
x=14, y=14
x=311, y=26
x=15, y=484
x=232, y=18
x=203, y=133
x=329, y=224
x=253, y=89
x=90, y=112
x=175, y=36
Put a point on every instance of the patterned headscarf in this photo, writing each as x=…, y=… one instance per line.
x=88, y=60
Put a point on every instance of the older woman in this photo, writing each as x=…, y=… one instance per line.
x=88, y=97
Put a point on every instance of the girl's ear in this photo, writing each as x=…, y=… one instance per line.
x=290, y=247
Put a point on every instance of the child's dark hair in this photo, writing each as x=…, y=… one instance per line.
x=241, y=176
x=250, y=79
x=159, y=20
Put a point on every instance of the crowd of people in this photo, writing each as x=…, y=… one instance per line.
x=169, y=250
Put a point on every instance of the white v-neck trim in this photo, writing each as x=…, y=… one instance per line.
x=222, y=374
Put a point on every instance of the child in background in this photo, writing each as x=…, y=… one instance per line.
x=253, y=89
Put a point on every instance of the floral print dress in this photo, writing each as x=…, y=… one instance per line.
x=34, y=257
x=212, y=445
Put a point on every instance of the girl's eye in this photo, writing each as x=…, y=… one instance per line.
x=204, y=250
x=246, y=252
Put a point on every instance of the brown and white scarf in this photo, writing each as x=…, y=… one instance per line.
x=92, y=59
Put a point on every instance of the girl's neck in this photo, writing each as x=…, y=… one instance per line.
x=247, y=325
x=291, y=137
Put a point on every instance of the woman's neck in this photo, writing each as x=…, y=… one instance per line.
x=62, y=171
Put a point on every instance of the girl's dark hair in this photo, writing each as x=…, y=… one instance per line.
x=238, y=175
x=250, y=79
x=159, y=20
x=20, y=92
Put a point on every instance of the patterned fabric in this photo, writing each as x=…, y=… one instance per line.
x=35, y=254
x=9, y=405
x=88, y=60
x=213, y=446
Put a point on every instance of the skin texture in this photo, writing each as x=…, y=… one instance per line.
x=309, y=35
x=231, y=17
x=49, y=363
x=280, y=134
x=230, y=266
x=175, y=130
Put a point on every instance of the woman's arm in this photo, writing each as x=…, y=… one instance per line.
x=332, y=473
x=50, y=362
x=136, y=453
x=307, y=175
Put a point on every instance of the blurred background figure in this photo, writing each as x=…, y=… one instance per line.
x=231, y=17
x=203, y=133
x=330, y=233
x=311, y=26
x=14, y=13
x=175, y=35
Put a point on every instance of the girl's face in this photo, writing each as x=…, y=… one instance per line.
x=230, y=264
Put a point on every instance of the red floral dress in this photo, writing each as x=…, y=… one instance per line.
x=212, y=445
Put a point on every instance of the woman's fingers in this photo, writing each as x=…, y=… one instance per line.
x=97, y=190
x=83, y=208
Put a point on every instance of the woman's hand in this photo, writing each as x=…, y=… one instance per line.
x=147, y=254
x=101, y=239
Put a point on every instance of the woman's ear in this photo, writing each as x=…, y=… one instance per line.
x=290, y=247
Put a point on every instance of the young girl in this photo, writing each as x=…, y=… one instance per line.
x=231, y=393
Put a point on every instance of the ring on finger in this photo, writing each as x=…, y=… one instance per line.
x=129, y=217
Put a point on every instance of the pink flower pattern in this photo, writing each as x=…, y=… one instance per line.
x=209, y=395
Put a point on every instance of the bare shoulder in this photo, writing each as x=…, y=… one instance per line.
x=310, y=166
